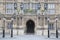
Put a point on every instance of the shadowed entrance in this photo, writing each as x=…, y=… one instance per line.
x=30, y=26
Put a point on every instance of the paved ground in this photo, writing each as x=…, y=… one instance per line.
x=28, y=37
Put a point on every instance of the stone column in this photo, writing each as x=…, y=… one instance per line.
x=17, y=24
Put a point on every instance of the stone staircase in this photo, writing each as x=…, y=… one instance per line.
x=28, y=37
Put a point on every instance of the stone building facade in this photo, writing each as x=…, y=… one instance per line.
x=29, y=16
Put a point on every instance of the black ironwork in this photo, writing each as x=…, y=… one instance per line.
x=4, y=29
x=56, y=30
x=48, y=29
x=11, y=32
x=38, y=17
x=3, y=33
x=12, y=29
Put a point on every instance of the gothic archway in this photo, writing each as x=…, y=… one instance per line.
x=30, y=25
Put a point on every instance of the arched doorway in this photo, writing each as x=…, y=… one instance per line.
x=30, y=25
